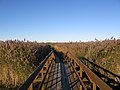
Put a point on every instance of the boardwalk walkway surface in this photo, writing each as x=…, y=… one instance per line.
x=57, y=79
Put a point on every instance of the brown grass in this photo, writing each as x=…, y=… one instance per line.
x=17, y=60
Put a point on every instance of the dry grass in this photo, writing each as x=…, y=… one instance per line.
x=17, y=60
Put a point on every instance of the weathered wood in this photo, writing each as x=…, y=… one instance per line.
x=28, y=82
x=44, y=77
x=59, y=75
x=94, y=78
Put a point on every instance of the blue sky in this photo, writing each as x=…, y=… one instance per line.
x=59, y=20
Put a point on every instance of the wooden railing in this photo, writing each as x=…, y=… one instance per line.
x=96, y=82
x=28, y=84
x=107, y=76
x=82, y=71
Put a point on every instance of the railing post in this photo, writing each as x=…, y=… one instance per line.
x=80, y=72
x=42, y=73
x=47, y=68
x=93, y=86
x=43, y=87
x=70, y=64
x=80, y=87
x=74, y=68
x=31, y=87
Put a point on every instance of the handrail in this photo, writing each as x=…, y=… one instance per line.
x=101, y=68
x=40, y=86
x=78, y=77
x=102, y=85
x=30, y=79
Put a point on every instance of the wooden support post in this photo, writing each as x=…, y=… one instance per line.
x=75, y=69
x=43, y=87
x=31, y=87
x=93, y=86
x=81, y=72
x=74, y=75
x=42, y=73
x=80, y=87
x=47, y=69
x=71, y=68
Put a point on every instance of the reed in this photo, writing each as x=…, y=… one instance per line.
x=18, y=59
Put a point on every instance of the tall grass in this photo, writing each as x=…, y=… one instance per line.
x=18, y=59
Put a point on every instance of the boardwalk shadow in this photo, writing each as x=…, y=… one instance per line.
x=54, y=78
x=110, y=78
x=68, y=81
x=60, y=55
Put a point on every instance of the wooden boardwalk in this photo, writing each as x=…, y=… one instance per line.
x=54, y=74
x=57, y=77
x=61, y=77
